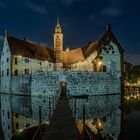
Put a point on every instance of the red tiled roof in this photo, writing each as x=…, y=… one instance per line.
x=80, y=54
x=28, y=49
x=90, y=48
x=72, y=56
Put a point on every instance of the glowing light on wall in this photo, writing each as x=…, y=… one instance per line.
x=19, y=56
x=67, y=49
x=100, y=63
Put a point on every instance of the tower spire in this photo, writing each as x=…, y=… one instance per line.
x=58, y=27
x=57, y=19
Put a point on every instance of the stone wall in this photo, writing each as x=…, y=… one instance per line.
x=44, y=88
x=21, y=91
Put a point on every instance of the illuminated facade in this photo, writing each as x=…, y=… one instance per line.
x=38, y=71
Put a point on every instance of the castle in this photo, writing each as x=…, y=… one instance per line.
x=32, y=75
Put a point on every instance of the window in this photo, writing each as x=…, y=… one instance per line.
x=26, y=71
x=8, y=126
x=104, y=119
x=2, y=73
x=7, y=71
x=104, y=68
x=16, y=115
x=8, y=114
x=49, y=64
x=7, y=60
x=17, y=126
x=16, y=61
x=3, y=112
x=16, y=72
x=26, y=60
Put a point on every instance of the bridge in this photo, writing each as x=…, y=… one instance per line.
x=62, y=126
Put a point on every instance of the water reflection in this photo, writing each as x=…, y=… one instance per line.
x=100, y=109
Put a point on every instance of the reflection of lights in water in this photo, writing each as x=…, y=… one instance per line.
x=131, y=95
x=99, y=124
x=135, y=96
x=127, y=97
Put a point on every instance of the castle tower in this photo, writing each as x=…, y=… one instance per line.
x=58, y=43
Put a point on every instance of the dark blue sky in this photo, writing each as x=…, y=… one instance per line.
x=81, y=21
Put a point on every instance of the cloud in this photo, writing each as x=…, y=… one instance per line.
x=111, y=11
x=41, y=9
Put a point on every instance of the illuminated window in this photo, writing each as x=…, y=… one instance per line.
x=16, y=61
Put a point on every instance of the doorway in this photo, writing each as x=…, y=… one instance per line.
x=63, y=89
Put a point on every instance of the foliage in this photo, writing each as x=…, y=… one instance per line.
x=131, y=104
x=131, y=73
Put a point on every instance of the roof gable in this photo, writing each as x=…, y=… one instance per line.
x=107, y=37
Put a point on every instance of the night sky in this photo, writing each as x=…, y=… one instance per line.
x=81, y=21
